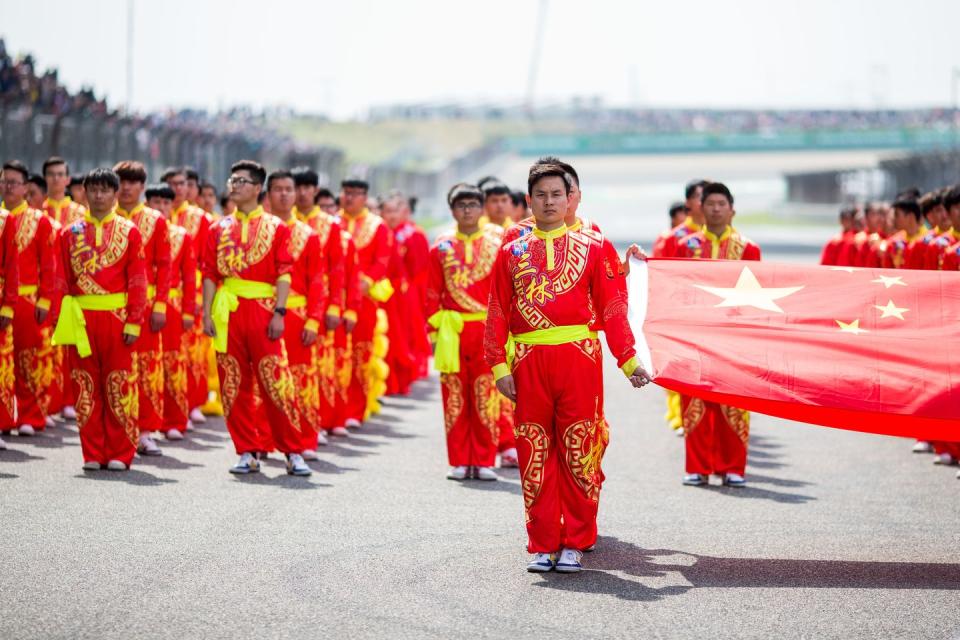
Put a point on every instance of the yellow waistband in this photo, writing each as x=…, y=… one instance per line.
x=72, y=326
x=449, y=325
x=27, y=289
x=226, y=301
x=556, y=335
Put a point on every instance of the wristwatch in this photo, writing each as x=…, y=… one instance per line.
x=280, y=311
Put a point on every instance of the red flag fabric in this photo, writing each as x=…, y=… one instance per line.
x=874, y=350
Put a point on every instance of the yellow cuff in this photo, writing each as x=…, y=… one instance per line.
x=350, y=315
x=311, y=325
x=630, y=366
x=159, y=307
x=43, y=303
x=500, y=371
x=187, y=316
x=285, y=278
x=131, y=329
x=333, y=310
x=6, y=311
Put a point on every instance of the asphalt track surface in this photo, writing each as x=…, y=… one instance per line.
x=839, y=535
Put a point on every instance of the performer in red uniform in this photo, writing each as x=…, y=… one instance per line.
x=400, y=357
x=180, y=316
x=148, y=353
x=246, y=269
x=306, y=307
x=905, y=249
x=458, y=289
x=416, y=255
x=716, y=435
x=9, y=284
x=941, y=234
x=373, y=245
x=874, y=220
x=546, y=289
x=839, y=244
x=33, y=354
x=101, y=272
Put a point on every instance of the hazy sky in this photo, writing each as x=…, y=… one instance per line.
x=342, y=57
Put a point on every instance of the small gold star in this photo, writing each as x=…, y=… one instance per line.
x=888, y=281
x=891, y=310
x=852, y=327
x=748, y=292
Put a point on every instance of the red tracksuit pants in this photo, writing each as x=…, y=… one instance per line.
x=471, y=405
x=716, y=437
x=176, y=405
x=253, y=360
x=559, y=442
x=306, y=378
x=148, y=356
x=361, y=352
x=8, y=396
x=34, y=361
x=327, y=373
x=342, y=376
x=198, y=345
x=105, y=392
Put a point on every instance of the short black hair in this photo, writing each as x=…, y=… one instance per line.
x=412, y=203
x=305, y=176
x=16, y=165
x=910, y=193
x=206, y=184
x=53, y=161
x=931, y=201
x=279, y=174
x=540, y=171
x=103, y=177
x=355, y=183
x=484, y=180
x=519, y=198
x=224, y=199
x=563, y=165
x=495, y=188
x=464, y=191
x=908, y=205
x=691, y=188
x=191, y=174
x=159, y=190
x=712, y=188
x=323, y=192
x=849, y=211
x=254, y=168
x=952, y=196
x=38, y=180
x=169, y=172
x=677, y=207
x=131, y=170
x=76, y=181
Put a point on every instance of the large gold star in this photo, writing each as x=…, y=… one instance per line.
x=888, y=281
x=851, y=327
x=891, y=310
x=748, y=293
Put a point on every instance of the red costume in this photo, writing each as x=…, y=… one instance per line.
x=937, y=247
x=837, y=251
x=246, y=250
x=415, y=252
x=33, y=352
x=101, y=272
x=944, y=254
x=901, y=251
x=9, y=283
x=716, y=435
x=337, y=363
x=870, y=251
x=547, y=289
x=675, y=237
x=183, y=287
x=373, y=243
x=459, y=274
x=64, y=212
x=400, y=358
x=147, y=350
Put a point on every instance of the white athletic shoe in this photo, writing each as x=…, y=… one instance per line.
x=958, y=475
x=322, y=439
x=508, y=459
x=116, y=465
x=943, y=458
x=147, y=446
x=351, y=423
x=188, y=426
x=734, y=480
x=296, y=466
x=922, y=447
x=91, y=466
x=69, y=413
x=310, y=454
x=542, y=563
x=569, y=561
x=486, y=473
x=196, y=416
x=457, y=473
x=3, y=445
x=340, y=432
x=694, y=480
x=50, y=422
x=174, y=434
x=248, y=463
x=679, y=432
x=26, y=430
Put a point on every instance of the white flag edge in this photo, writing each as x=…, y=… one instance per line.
x=637, y=299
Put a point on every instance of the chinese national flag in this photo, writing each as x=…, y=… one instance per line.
x=873, y=350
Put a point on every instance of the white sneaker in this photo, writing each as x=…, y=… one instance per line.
x=694, y=480
x=91, y=466
x=26, y=430
x=148, y=447
x=322, y=439
x=569, y=561
x=680, y=432
x=296, y=466
x=116, y=465
x=943, y=458
x=486, y=473
x=340, y=432
x=197, y=417
x=3, y=445
x=50, y=422
x=310, y=454
x=508, y=459
x=542, y=563
x=351, y=423
x=734, y=480
x=69, y=413
x=457, y=473
x=922, y=447
x=174, y=434
x=188, y=426
x=248, y=463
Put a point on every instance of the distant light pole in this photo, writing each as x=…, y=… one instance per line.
x=129, y=56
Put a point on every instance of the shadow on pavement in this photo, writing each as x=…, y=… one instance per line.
x=614, y=558
x=166, y=461
x=134, y=477
x=15, y=455
x=485, y=485
x=47, y=439
x=756, y=493
x=8, y=476
x=284, y=482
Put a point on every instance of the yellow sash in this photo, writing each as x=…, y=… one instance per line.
x=296, y=301
x=27, y=289
x=449, y=326
x=553, y=335
x=226, y=301
x=381, y=290
x=72, y=326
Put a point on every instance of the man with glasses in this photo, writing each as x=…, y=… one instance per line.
x=247, y=267
x=35, y=243
x=9, y=284
x=459, y=270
